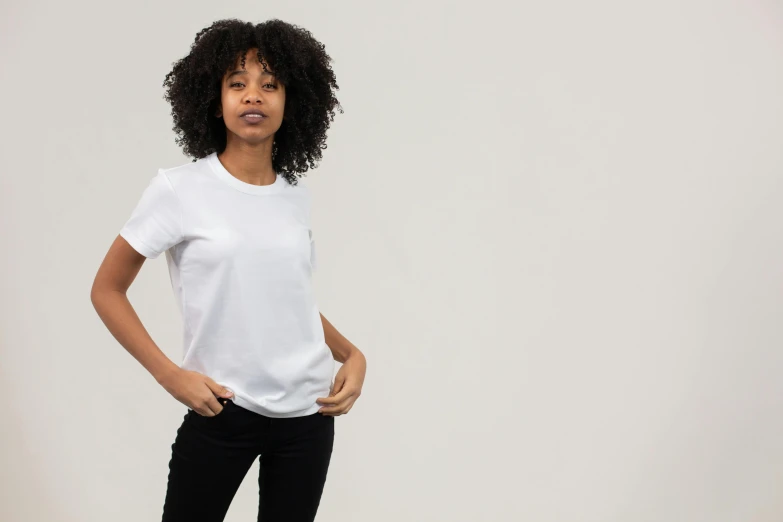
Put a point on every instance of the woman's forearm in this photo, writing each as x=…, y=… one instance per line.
x=117, y=313
x=341, y=347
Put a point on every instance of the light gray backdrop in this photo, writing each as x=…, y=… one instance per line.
x=554, y=229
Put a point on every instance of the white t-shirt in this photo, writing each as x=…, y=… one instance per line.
x=240, y=258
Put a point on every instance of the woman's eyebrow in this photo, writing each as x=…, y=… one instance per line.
x=242, y=71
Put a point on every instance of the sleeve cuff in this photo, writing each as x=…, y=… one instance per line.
x=138, y=245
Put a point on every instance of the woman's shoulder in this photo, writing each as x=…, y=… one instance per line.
x=186, y=173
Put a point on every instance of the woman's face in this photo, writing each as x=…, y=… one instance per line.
x=251, y=89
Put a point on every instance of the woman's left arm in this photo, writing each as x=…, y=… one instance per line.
x=350, y=377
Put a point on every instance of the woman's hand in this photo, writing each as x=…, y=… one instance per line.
x=347, y=386
x=196, y=391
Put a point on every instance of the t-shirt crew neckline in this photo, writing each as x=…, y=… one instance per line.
x=248, y=188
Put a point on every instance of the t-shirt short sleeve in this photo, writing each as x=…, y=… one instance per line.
x=308, y=204
x=313, y=262
x=155, y=225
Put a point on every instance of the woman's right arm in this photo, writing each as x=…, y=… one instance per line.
x=109, y=297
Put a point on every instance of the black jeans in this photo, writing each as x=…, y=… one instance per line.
x=211, y=456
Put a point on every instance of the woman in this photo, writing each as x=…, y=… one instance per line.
x=252, y=104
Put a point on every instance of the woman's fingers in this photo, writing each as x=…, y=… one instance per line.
x=211, y=407
x=338, y=409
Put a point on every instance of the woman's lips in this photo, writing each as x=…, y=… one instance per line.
x=253, y=118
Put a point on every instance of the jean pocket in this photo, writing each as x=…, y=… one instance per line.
x=228, y=404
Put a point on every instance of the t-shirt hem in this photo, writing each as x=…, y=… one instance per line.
x=239, y=401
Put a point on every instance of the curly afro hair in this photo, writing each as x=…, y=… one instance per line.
x=299, y=61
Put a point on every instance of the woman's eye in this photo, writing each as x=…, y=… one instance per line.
x=265, y=85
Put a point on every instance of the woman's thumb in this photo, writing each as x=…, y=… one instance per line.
x=220, y=390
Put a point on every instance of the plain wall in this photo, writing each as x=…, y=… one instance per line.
x=553, y=228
